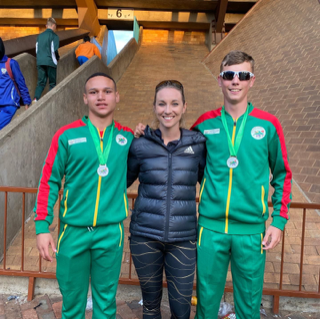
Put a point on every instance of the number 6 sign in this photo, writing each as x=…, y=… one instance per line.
x=120, y=14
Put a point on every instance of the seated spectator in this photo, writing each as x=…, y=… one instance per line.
x=86, y=50
x=12, y=88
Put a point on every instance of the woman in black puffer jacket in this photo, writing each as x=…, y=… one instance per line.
x=169, y=162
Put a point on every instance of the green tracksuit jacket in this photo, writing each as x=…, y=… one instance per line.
x=88, y=199
x=235, y=201
x=47, y=48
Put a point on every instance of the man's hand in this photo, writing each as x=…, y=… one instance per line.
x=43, y=243
x=275, y=234
x=139, y=130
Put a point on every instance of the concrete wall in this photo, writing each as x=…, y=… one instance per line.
x=25, y=141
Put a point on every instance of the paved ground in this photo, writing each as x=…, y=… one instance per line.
x=44, y=307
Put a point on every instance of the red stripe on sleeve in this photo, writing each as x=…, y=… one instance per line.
x=287, y=182
x=207, y=116
x=44, y=187
x=124, y=128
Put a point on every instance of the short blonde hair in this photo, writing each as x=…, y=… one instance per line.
x=51, y=21
x=236, y=57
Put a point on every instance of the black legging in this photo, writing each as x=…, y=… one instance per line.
x=179, y=261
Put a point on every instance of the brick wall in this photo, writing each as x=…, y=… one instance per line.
x=171, y=36
x=283, y=36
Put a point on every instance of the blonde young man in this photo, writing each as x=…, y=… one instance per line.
x=47, y=58
x=243, y=145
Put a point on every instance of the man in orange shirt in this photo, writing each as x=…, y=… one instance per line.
x=86, y=50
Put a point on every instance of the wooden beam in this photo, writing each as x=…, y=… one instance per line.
x=88, y=16
x=220, y=14
x=37, y=22
x=27, y=45
x=176, y=5
x=37, y=4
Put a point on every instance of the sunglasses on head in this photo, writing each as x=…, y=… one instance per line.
x=170, y=83
x=242, y=75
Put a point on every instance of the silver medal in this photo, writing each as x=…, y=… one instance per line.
x=232, y=162
x=103, y=170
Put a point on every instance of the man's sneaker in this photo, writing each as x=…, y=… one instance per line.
x=34, y=101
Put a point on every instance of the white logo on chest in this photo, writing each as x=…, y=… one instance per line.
x=213, y=131
x=258, y=133
x=77, y=141
x=121, y=140
x=189, y=150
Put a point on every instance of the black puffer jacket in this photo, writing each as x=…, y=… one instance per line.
x=165, y=209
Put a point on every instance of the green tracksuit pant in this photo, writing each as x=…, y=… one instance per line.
x=45, y=72
x=215, y=251
x=89, y=251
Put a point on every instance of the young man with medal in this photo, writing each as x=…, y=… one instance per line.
x=243, y=145
x=91, y=154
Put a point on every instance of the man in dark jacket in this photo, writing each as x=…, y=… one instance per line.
x=47, y=58
x=10, y=88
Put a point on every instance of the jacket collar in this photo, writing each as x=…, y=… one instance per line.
x=4, y=59
x=187, y=137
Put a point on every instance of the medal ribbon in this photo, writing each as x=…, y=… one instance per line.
x=103, y=157
x=233, y=149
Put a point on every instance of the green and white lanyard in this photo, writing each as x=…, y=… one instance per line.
x=232, y=161
x=103, y=156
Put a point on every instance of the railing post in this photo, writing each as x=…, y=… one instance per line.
x=31, y=288
x=22, y=229
x=5, y=230
x=282, y=258
x=302, y=248
x=276, y=304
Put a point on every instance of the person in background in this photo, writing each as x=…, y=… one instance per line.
x=47, y=58
x=169, y=162
x=86, y=50
x=13, y=88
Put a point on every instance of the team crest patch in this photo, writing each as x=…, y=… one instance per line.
x=258, y=133
x=121, y=140
x=3, y=70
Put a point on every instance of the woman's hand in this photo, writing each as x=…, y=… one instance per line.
x=139, y=130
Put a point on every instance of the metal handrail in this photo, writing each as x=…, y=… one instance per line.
x=276, y=293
